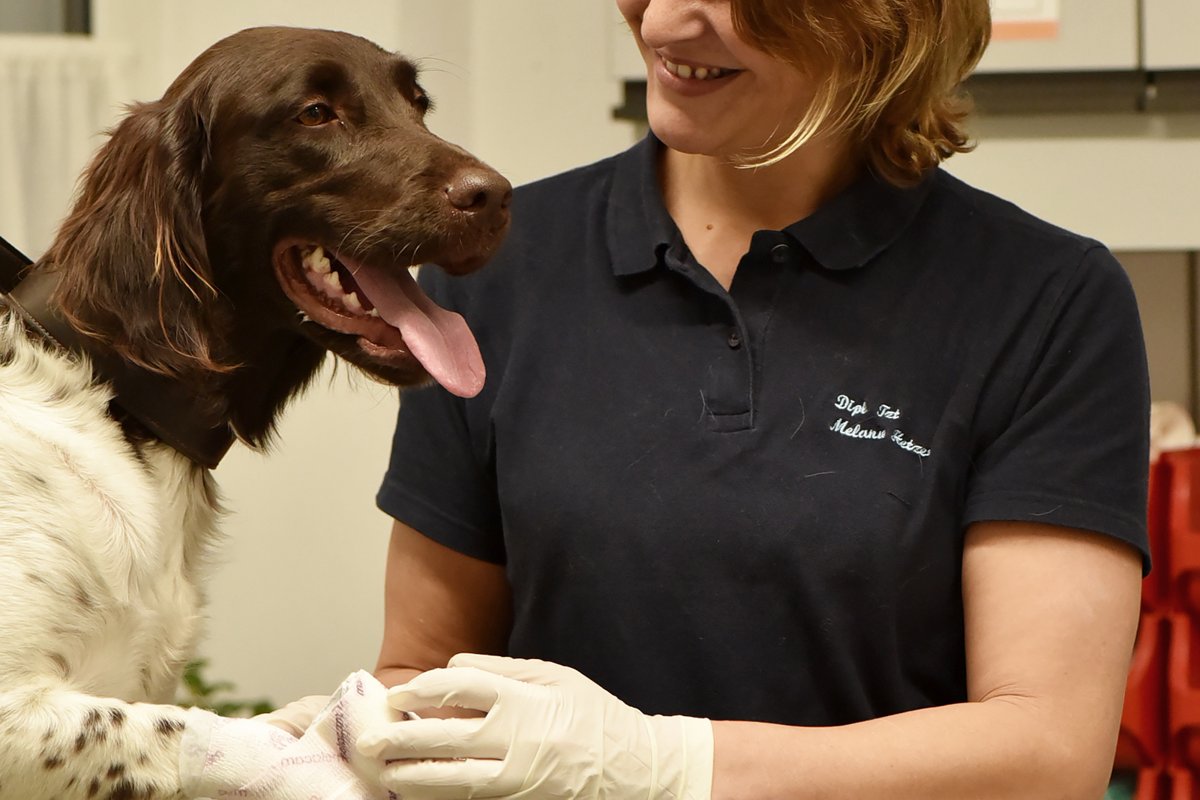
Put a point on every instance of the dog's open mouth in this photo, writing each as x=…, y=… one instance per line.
x=385, y=308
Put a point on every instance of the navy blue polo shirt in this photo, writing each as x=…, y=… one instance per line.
x=752, y=504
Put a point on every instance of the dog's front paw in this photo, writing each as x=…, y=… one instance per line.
x=254, y=759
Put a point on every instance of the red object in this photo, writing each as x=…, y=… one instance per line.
x=1160, y=722
x=1143, y=718
x=1156, y=586
x=1154, y=784
x=1183, y=786
x=1183, y=691
x=1183, y=530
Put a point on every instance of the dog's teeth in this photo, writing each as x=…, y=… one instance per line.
x=351, y=302
x=374, y=312
x=316, y=260
x=333, y=281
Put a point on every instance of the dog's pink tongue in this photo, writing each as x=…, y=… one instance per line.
x=438, y=338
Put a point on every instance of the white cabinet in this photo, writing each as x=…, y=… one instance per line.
x=1171, y=29
x=1081, y=35
x=1084, y=35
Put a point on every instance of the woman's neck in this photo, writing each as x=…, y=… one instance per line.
x=718, y=206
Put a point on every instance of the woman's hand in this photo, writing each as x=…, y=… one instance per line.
x=548, y=732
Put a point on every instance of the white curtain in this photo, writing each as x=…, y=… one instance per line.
x=58, y=94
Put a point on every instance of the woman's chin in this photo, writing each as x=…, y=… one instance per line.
x=683, y=133
x=702, y=134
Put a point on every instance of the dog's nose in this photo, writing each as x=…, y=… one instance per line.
x=480, y=191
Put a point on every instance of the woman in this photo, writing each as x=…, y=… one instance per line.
x=784, y=429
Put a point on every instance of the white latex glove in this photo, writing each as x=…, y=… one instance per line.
x=297, y=715
x=252, y=759
x=549, y=733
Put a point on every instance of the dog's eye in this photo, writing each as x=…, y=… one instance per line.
x=422, y=101
x=316, y=114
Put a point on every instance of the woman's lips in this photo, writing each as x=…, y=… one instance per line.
x=692, y=79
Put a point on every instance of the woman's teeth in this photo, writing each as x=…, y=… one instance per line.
x=696, y=73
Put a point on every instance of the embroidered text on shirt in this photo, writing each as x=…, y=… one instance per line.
x=883, y=413
x=856, y=431
x=909, y=444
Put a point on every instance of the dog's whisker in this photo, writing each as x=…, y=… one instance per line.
x=450, y=67
x=356, y=227
x=342, y=242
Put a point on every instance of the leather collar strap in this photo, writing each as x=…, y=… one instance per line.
x=164, y=406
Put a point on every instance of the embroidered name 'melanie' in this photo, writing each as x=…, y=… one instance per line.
x=883, y=414
x=856, y=431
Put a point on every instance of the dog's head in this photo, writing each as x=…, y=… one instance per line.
x=278, y=194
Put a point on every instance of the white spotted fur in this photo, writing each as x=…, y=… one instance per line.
x=102, y=557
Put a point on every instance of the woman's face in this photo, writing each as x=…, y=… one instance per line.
x=707, y=91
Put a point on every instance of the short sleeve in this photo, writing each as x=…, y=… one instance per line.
x=438, y=480
x=1075, y=451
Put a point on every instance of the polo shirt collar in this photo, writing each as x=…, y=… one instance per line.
x=847, y=232
x=639, y=227
x=861, y=221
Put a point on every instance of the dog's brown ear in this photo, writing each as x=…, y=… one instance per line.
x=131, y=253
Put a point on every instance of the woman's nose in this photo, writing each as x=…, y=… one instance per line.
x=665, y=22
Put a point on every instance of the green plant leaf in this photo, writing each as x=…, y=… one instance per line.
x=198, y=691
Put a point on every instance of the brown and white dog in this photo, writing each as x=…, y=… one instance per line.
x=264, y=212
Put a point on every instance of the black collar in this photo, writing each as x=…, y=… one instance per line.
x=165, y=407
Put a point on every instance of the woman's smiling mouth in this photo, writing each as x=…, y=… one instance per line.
x=694, y=72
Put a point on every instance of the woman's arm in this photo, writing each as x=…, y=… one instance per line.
x=438, y=602
x=1050, y=617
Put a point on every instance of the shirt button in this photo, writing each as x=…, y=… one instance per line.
x=735, y=339
x=780, y=253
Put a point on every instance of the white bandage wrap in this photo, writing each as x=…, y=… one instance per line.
x=224, y=758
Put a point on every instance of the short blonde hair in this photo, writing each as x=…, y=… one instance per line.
x=892, y=72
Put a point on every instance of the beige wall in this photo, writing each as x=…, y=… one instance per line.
x=1131, y=180
x=1162, y=282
